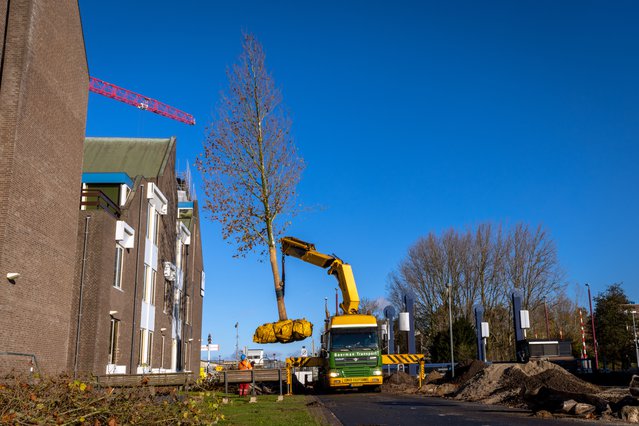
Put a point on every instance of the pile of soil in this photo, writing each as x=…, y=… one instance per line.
x=400, y=382
x=434, y=377
x=503, y=383
x=467, y=370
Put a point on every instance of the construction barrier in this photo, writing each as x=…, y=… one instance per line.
x=252, y=376
x=396, y=359
x=302, y=361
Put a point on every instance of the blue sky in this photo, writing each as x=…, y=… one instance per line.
x=412, y=117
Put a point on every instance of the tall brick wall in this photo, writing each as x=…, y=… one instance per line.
x=43, y=102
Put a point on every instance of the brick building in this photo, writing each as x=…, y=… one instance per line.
x=43, y=104
x=139, y=276
x=114, y=284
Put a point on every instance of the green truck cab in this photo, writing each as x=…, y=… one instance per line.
x=351, y=352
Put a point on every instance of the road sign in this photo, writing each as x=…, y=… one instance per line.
x=211, y=347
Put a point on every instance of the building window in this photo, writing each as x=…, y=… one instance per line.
x=187, y=356
x=145, y=350
x=152, y=224
x=162, y=356
x=113, y=340
x=149, y=355
x=149, y=285
x=168, y=297
x=119, y=262
x=141, y=350
x=187, y=310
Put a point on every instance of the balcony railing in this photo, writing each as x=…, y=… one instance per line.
x=93, y=199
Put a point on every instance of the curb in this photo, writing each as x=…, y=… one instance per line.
x=318, y=410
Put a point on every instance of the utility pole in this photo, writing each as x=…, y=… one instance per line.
x=547, y=323
x=208, y=354
x=594, y=335
x=634, y=334
x=450, y=321
x=237, y=341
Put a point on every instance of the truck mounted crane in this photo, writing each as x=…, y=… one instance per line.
x=350, y=354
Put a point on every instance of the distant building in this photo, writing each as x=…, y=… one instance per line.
x=139, y=276
x=256, y=356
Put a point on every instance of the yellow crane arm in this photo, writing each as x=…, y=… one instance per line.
x=342, y=271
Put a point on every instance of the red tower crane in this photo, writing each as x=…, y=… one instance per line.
x=140, y=101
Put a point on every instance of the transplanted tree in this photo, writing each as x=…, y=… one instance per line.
x=250, y=164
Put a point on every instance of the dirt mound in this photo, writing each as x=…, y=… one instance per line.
x=503, y=383
x=467, y=370
x=400, y=382
x=434, y=377
x=559, y=380
x=401, y=378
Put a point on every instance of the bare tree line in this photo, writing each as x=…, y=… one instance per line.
x=484, y=266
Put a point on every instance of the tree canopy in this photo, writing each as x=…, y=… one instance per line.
x=614, y=328
x=483, y=265
x=250, y=163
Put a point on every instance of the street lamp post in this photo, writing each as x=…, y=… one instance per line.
x=634, y=334
x=450, y=321
x=237, y=340
x=594, y=335
x=208, y=354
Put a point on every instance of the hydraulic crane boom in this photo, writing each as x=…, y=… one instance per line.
x=140, y=101
x=342, y=271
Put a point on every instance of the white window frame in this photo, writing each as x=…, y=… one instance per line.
x=114, y=332
x=187, y=313
x=149, y=354
x=152, y=224
x=119, y=266
x=148, y=294
x=146, y=348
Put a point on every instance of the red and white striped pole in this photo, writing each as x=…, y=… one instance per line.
x=584, y=355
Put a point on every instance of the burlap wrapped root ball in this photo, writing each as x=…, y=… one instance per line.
x=286, y=331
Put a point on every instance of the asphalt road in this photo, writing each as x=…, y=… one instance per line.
x=381, y=409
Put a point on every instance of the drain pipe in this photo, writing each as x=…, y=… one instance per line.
x=84, y=262
x=135, y=282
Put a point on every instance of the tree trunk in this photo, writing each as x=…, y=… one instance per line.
x=279, y=291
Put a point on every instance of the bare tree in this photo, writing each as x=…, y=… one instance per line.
x=373, y=307
x=483, y=266
x=533, y=267
x=250, y=164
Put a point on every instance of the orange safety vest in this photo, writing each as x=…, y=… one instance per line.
x=245, y=365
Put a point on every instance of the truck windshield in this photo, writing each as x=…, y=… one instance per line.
x=354, y=339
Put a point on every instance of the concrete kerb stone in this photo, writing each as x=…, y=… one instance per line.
x=318, y=410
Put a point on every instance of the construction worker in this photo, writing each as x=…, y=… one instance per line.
x=244, y=365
